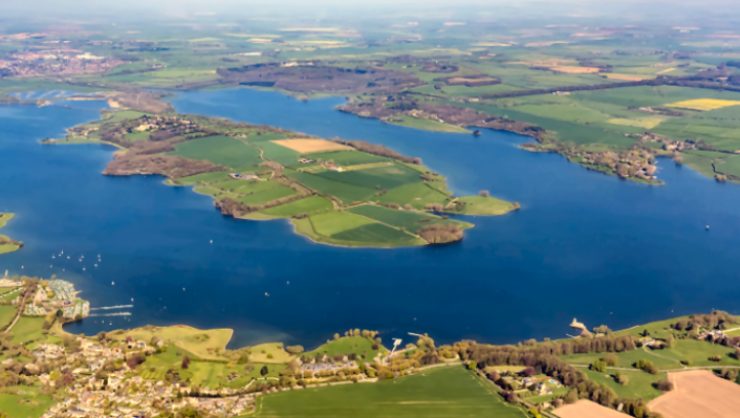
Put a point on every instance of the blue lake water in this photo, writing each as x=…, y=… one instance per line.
x=584, y=244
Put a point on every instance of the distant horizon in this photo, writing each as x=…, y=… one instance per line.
x=325, y=8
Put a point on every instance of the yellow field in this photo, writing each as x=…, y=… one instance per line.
x=269, y=353
x=645, y=123
x=624, y=77
x=704, y=104
x=308, y=145
x=574, y=69
x=205, y=344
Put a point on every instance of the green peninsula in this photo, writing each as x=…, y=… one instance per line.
x=345, y=193
x=7, y=245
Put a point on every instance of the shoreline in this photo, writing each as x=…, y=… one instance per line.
x=173, y=181
x=7, y=244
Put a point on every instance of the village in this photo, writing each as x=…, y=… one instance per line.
x=155, y=370
x=106, y=375
x=56, y=60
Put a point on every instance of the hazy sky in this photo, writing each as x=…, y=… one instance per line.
x=47, y=8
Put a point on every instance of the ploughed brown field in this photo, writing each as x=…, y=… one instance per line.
x=308, y=145
x=698, y=393
x=587, y=409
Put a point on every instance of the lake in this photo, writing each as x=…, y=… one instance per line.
x=584, y=245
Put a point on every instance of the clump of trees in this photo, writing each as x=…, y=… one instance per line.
x=602, y=329
x=622, y=379
x=663, y=385
x=733, y=375
x=544, y=358
x=598, y=366
x=716, y=320
x=134, y=361
x=294, y=349
x=646, y=366
x=441, y=233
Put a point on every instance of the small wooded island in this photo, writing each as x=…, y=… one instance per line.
x=346, y=193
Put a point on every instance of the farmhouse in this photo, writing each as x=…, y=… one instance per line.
x=244, y=176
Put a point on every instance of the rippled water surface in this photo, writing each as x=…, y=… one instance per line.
x=584, y=244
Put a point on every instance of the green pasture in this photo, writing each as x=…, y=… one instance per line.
x=220, y=150
x=447, y=392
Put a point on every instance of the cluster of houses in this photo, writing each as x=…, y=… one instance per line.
x=56, y=60
x=669, y=144
x=98, y=381
x=57, y=296
x=162, y=127
x=328, y=366
x=244, y=176
x=102, y=376
x=529, y=384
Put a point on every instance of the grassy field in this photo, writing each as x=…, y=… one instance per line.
x=24, y=401
x=207, y=373
x=684, y=354
x=361, y=346
x=603, y=118
x=418, y=195
x=7, y=245
x=444, y=392
x=269, y=353
x=639, y=384
x=336, y=187
x=696, y=353
x=7, y=312
x=29, y=331
x=307, y=206
x=427, y=125
x=5, y=218
x=204, y=344
x=411, y=221
x=7, y=294
x=220, y=150
x=485, y=205
x=350, y=229
x=316, y=183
